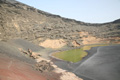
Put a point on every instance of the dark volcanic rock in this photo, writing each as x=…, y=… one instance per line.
x=18, y=20
x=43, y=66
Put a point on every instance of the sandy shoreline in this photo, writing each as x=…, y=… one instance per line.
x=50, y=55
x=107, y=54
x=70, y=66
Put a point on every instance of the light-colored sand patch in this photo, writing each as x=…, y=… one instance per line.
x=65, y=75
x=55, y=44
x=89, y=39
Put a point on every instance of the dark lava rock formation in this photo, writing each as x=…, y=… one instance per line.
x=18, y=20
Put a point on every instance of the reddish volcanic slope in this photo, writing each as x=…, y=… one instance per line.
x=12, y=69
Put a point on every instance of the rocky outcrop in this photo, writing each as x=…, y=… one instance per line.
x=30, y=53
x=18, y=20
x=44, y=66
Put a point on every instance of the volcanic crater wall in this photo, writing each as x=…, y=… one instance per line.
x=18, y=20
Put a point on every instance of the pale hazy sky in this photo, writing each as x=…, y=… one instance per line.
x=92, y=11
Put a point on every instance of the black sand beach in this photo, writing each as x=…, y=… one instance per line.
x=102, y=63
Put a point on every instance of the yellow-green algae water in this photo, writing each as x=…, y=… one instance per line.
x=75, y=55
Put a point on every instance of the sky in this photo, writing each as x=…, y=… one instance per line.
x=91, y=11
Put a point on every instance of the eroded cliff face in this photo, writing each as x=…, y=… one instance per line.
x=18, y=20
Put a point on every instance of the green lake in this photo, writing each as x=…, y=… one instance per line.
x=74, y=55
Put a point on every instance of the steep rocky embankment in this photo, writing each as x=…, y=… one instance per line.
x=18, y=20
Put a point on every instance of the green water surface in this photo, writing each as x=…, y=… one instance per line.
x=74, y=55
